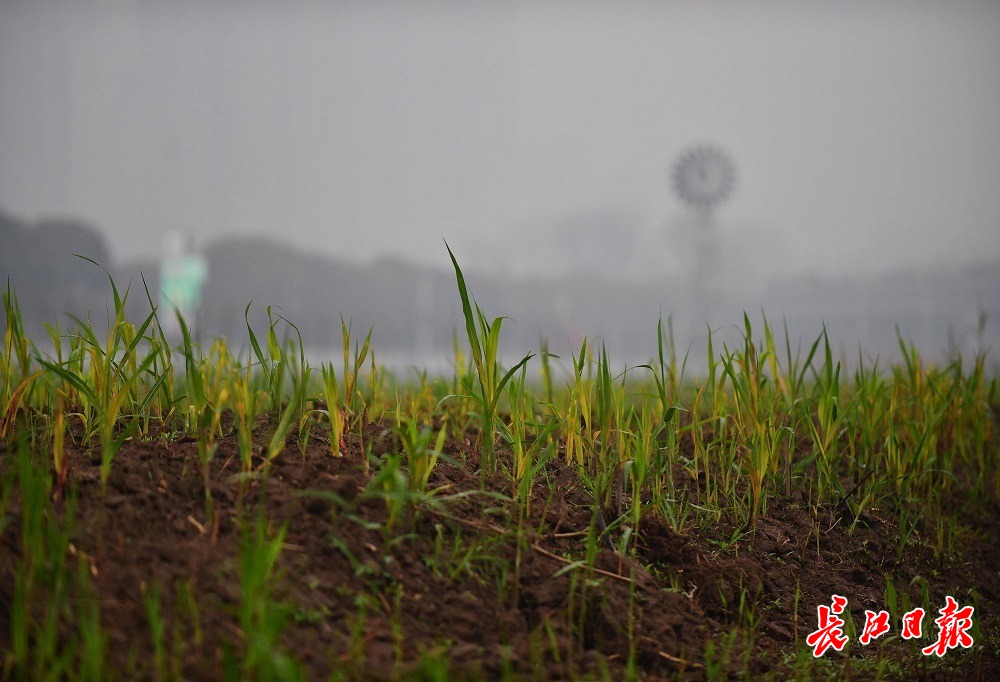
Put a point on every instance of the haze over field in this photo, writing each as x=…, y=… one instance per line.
x=537, y=137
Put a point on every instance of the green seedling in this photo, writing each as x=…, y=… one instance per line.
x=206, y=400
x=353, y=364
x=576, y=417
x=261, y=618
x=47, y=587
x=529, y=440
x=277, y=368
x=484, y=340
x=157, y=630
x=421, y=455
x=116, y=371
x=15, y=364
x=247, y=398
x=335, y=411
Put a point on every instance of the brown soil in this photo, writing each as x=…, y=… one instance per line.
x=552, y=620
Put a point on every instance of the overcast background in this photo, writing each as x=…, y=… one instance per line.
x=866, y=134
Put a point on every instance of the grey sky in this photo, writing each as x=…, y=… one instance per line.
x=866, y=134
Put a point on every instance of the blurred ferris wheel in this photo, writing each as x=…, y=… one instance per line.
x=704, y=177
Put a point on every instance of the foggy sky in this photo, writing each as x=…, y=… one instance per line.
x=866, y=135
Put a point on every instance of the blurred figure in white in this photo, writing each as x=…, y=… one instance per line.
x=182, y=274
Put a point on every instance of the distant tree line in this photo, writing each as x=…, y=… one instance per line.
x=37, y=260
x=414, y=308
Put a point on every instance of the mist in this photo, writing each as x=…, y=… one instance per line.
x=316, y=155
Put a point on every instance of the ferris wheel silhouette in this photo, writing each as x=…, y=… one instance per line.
x=704, y=177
